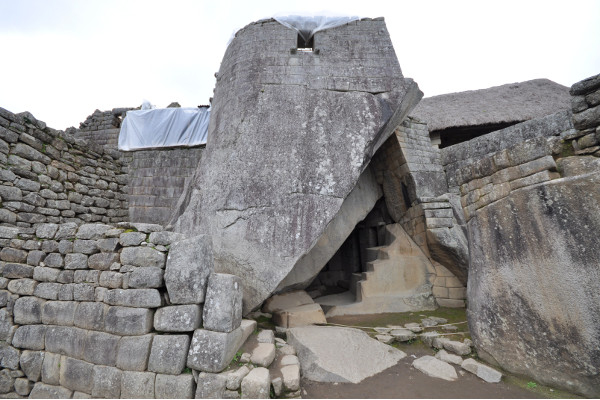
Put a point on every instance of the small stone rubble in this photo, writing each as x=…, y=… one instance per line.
x=105, y=311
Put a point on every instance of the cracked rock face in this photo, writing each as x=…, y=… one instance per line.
x=285, y=177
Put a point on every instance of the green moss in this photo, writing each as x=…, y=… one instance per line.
x=263, y=322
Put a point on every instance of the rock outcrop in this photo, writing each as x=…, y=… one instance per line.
x=284, y=177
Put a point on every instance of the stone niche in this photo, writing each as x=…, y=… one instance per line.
x=284, y=178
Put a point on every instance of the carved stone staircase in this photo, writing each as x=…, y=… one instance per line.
x=395, y=280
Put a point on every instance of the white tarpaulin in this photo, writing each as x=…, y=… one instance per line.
x=164, y=127
x=308, y=25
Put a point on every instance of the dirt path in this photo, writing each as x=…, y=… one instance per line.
x=404, y=382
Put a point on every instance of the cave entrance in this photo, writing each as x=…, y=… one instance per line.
x=345, y=268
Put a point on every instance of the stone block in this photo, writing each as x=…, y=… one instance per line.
x=23, y=386
x=210, y=386
x=90, y=315
x=299, y=316
x=8, y=254
x=106, y=382
x=266, y=336
x=257, y=384
x=44, y=274
x=101, y=348
x=76, y=374
x=51, y=368
x=54, y=260
x=484, y=372
x=108, y=245
x=435, y=368
x=47, y=290
x=102, y=261
x=291, y=377
x=449, y=358
x=85, y=246
x=23, y=287
x=28, y=310
x=165, y=238
x=44, y=391
x=456, y=347
x=6, y=382
x=138, y=385
x=189, y=264
x=185, y=318
x=68, y=341
x=450, y=303
x=35, y=257
x=146, y=277
x=92, y=231
x=128, y=321
x=17, y=271
x=142, y=257
x=31, y=364
x=111, y=279
x=234, y=378
x=146, y=298
x=263, y=354
x=131, y=238
x=223, y=303
x=66, y=231
x=9, y=356
x=213, y=351
x=174, y=386
x=133, y=352
x=58, y=313
x=168, y=354
x=76, y=261
x=30, y=337
x=83, y=292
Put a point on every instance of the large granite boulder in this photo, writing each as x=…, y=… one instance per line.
x=284, y=177
x=534, y=303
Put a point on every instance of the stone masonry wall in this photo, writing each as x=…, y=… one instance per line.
x=115, y=311
x=585, y=105
x=103, y=127
x=51, y=176
x=157, y=179
x=409, y=159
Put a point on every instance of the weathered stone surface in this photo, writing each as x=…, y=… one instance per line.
x=257, y=384
x=131, y=238
x=213, y=351
x=133, y=352
x=6, y=382
x=512, y=320
x=234, y=378
x=23, y=287
x=128, y=321
x=573, y=166
x=324, y=355
x=44, y=274
x=481, y=370
x=462, y=349
x=264, y=216
x=143, y=257
x=23, y=386
x=102, y=261
x=435, y=368
x=402, y=335
x=46, y=231
x=266, y=336
x=31, y=364
x=44, y=391
x=185, y=318
x=449, y=358
x=168, y=354
x=47, y=290
x=58, y=313
x=28, y=310
x=291, y=377
x=263, y=354
x=90, y=315
x=223, y=303
x=165, y=238
x=76, y=261
x=92, y=231
x=174, y=386
x=146, y=277
x=76, y=374
x=9, y=356
x=31, y=337
x=189, y=264
x=68, y=341
x=138, y=385
x=8, y=254
x=101, y=348
x=51, y=368
x=307, y=314
x=106, y=382
x=53, y=260
x=210, y=386
x=17, y=271
x=286, y=300
x=146, y=298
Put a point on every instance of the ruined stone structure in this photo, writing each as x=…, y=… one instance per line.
x=314, y=177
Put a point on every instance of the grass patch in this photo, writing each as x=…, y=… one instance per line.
x=538, y=388
x=263, y=322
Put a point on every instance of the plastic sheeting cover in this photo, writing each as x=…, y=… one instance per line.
x=307, y=26
x=164, y=127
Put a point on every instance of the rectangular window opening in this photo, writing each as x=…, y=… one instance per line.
x=303, y=45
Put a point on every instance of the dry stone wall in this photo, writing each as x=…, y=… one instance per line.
x=409, y=169
x=103, y=127
x=115, y=311
x=50, y=176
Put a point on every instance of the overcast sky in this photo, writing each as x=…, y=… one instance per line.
x=62, y=59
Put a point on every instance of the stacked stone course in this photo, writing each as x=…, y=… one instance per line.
x=93, y=310
x=49, y=176
x=103, y=127
x=585, y=105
